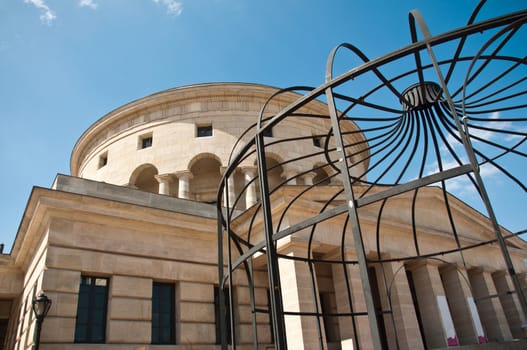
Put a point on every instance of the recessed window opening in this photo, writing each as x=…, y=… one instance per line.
x=145, y=141
x=90, y=325
x=227, y=315
x=268, y=132
x=317, y=141
x=103, y=160
x=204, y=130
x=163, y=311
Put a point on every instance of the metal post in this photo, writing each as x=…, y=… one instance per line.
x=354, y=219
x=275, y=293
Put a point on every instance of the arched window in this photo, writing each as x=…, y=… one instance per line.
x=206, y=173
x=321, y=177
x=143, y=178
x=274, y=172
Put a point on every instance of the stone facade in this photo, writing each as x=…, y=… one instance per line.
x=138, y=211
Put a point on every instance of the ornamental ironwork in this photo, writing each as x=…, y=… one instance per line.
x=442, y=118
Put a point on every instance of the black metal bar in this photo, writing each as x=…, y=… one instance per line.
x=355, y=225
x=396, y=143
x=275, y=292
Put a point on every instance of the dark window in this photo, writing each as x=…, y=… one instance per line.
x=90, y=326
x=103, y=160
x=413, y=292
x=372, y=274
x=270, y=314
x=204, y=130
x=227, y=318
x=146, y=142
x=163, y=311
x=317, y=141
x=268, y=132
x=3, y=332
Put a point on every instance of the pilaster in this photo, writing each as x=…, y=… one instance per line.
x=297, y=296
x=509, y=302
x=403, y=310
x=437, y=321
x=461, y=302
x=351, y=327
x=489, y=306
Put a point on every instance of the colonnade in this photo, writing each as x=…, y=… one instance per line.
x=179, y=183
x=425, y=303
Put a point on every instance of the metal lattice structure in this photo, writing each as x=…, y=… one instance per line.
x=435, y=115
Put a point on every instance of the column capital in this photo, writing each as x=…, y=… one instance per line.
x=449, y=267
x=162, y=178
x=223, y=169
x=251, y=169
x=310, y=175
x=485, y=269
x=423, y=262
x=290, y=176
x=184, y=174
x=288, y=173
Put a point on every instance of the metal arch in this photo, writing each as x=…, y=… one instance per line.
x=483, y=192
x=395, y=146
x=354, y=218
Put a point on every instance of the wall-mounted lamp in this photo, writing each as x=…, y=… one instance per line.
x=41, y=306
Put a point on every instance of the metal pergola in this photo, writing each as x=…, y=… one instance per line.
x=444, y=111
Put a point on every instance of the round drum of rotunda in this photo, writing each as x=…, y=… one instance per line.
x=178, y=141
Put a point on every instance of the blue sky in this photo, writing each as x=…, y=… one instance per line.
x=66, y=63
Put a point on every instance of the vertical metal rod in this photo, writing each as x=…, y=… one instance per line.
x=229, y=253
x=275, y=292
x=354, y=219
x=223, y=329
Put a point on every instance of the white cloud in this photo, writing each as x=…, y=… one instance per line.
x=462, y=187
x=489, y=134
x=47, y=15
x=88, y=3
x=173, y=7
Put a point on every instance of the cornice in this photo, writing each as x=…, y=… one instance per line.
x=165, y=105
x=126, y=116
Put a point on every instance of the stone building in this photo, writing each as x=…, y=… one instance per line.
x=126, y=246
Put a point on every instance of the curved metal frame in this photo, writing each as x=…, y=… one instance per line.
x=411, y=120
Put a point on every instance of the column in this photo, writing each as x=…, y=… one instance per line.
x=308, y=178
x=231, y=195
x=403, y=310
x=184, y=178
x=343, y=295
x=437, y=321
x=290, y=176
x=297, y=296
x=336, y=180
x=165, y=183
x=522, y=277
x=461, y=303
x=249, y=173
x=489, y=306
x=509, y=302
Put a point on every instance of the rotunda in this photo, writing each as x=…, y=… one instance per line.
x=177, y=142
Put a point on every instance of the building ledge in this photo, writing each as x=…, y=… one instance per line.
x=128, y=195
